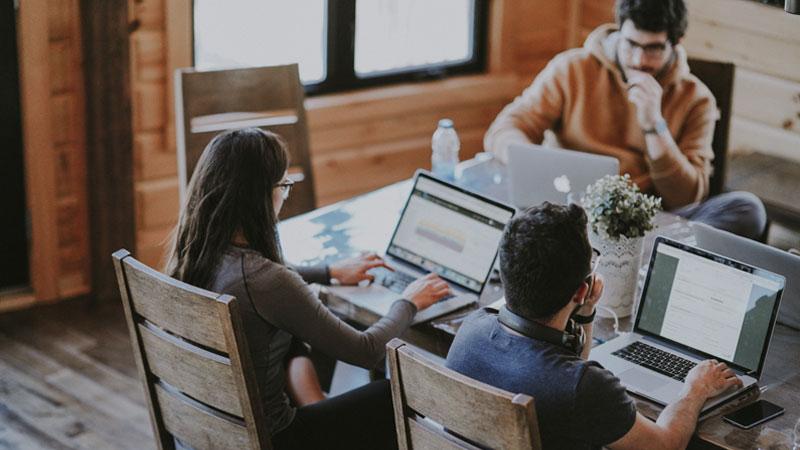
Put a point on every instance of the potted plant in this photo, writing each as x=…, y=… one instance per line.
x=619, y=215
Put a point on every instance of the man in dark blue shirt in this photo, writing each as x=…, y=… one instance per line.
x=535, y=344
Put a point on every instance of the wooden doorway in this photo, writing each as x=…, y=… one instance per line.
x=14, y=268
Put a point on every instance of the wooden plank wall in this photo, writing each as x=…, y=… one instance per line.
x=155, y=164
x=69, y=140
x=359, y=140
x=55, y=146
x=764, y=43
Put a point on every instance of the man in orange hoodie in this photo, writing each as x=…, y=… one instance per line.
x=628, y=93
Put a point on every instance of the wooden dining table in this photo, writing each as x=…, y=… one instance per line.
x=366, y=222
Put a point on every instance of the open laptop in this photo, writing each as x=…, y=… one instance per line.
x=537, y=174
x=442, y=229
x=695, y=305
x=761, y=255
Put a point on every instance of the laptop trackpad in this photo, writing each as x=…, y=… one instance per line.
x=640, y=380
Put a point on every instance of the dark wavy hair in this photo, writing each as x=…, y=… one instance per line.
x=544, y=257
x=230, y=191
x=655, y=16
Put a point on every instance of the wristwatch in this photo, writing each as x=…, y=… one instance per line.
x=583, y=320
x=660, y=127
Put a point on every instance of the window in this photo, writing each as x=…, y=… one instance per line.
x=343, y=44
x=249, y=33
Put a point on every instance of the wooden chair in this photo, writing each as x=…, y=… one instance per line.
x=718, y=76
x=193, y=361
x=437, y=408
x=271, y=98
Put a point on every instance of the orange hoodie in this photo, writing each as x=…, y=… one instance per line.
x=581, y=96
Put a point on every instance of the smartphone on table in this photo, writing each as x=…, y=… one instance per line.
x=753, y=414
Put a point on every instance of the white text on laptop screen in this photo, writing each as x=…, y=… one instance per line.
x=709, y=306
x=450, y=233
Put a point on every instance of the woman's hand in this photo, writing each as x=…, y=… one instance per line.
x=352, y=271
x=427, y=290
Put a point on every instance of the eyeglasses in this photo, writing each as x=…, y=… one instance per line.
x=286, y=188
x=654, y=50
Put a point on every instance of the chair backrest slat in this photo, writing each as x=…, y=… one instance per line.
x=193, y=360
x=181, y=310
x=424, y=437
x=197, y=426
x=200, y=374
x=471, y=411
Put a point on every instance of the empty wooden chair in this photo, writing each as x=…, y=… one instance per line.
x=270, y=98
x=193, y=361
x=437, y=408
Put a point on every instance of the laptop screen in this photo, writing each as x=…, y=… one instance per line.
x=450, y=231
x=711, y=304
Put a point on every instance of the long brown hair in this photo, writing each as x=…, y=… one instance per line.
x=230, y=191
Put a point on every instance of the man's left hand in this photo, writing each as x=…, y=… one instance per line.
x=593, y=298
x=645, y=93
x=352, y=271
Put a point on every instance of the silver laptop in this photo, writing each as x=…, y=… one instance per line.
x=695, y=305
x=761, y=255
x=537, y=174
x=443, y=229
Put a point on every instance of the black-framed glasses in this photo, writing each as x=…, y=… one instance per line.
x=654, y=50
x=286, y=188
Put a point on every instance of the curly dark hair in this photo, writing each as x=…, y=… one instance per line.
x=544, y=257
x=655, y=16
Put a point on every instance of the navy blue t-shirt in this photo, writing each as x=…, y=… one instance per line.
x=579, y=404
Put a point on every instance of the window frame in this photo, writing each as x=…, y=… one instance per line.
x=340, y=34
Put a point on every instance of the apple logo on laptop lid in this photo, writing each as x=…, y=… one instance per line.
x=562, y=184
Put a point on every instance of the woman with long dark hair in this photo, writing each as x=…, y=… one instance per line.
x=227, y=241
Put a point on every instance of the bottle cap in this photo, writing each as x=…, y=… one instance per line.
x=445, y=123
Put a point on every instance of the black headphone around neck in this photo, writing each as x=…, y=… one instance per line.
x=572, y=338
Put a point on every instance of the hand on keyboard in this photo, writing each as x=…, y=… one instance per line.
x=427, y=290
x=711, y=378
x=352, y=271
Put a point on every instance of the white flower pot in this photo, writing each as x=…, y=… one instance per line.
x=619, y=265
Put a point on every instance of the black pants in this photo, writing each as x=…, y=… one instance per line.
x=359, y=419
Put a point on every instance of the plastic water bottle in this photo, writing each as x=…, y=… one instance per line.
x=445, y=146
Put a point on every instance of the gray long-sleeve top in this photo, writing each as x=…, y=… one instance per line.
x=277, y=304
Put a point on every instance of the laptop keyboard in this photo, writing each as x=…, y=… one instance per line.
x=652, y=358
x=395, y=281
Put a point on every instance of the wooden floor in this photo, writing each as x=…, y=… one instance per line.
x=68, y=380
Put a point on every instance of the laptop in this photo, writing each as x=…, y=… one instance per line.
x=443, y=229
x=757, y=254
x=537, y=174
x=695, y=305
